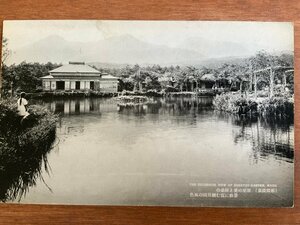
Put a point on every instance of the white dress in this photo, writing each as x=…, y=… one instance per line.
x=21, y=107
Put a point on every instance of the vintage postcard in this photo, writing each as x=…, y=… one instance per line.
x=154, y=113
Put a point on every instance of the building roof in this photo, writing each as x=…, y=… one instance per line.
x=47, y=77
x=108, y=77
x=208, y=77
x=75, y=67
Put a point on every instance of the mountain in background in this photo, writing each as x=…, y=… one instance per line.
x=128, y=50
x=213, y=63
x=122, y=50
x=51, y=49
x=217, y=49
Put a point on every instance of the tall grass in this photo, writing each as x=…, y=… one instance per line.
x=276, y=107
x=23, y=148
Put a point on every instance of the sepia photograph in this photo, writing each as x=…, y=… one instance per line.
x=147, y=113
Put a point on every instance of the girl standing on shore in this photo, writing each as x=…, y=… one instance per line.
x=22, y=107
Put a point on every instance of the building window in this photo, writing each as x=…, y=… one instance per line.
x=92, y=85
x=60, y=85
x=47, y=85
x=77, y=85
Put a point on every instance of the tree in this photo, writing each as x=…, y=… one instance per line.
x=165, y=80
x=25, y=76
x=152, y=80
x=5, y=51
x=191, y=77
x=271, y=68
x=5, y=55
x=179, y=78
x=137, y=78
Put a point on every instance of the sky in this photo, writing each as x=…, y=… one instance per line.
x=269, y=35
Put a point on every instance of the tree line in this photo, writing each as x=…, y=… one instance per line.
x=188, y=78
x=26, y=76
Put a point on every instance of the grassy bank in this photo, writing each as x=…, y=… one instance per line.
x=69, y=94
x=276, y=107
x=23, y=148
x=91, y=93
x=154, y=93
x=191, y=94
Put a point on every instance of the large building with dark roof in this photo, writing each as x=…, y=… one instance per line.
x=79, y=76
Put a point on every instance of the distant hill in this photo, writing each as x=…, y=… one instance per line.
x=108, y=65
x=121, y=50
x=51, y=49
x=216, y=49
x=215, y=63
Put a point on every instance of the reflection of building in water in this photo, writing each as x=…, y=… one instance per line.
x=82, y=106
x=78, y=76
x=99, y=105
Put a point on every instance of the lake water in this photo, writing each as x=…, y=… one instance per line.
x=166, y=152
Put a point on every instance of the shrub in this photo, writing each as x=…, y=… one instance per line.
x=171, y=89
x=23, y=148
x=276, y=107
x=154, y=93
x=227, y=102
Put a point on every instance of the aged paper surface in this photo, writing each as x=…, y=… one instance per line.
x=170, y=113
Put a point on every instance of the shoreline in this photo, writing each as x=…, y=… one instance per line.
x=23, y=147
x=279, y=107
x=98, y=94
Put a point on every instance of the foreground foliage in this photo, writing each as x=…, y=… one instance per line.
x=23, y=148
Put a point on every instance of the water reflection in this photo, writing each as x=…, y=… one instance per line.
x=267, y=136
x=81, y=106
x=173, y=106
x=166, y=143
